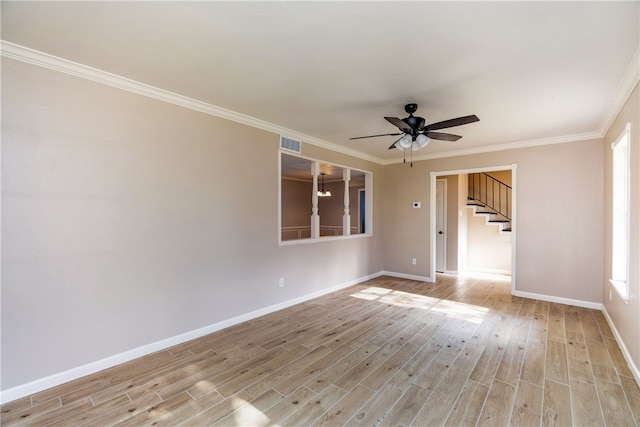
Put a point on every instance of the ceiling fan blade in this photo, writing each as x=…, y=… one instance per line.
x=443, y=136
x=374, y=136
x=399, y=123
x=392, y=146
x=459, y=121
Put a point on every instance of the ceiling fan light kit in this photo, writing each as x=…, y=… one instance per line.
x=421, y=141
x=405, y=141
x=416, y=135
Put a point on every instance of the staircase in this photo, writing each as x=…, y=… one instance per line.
x=492, y=198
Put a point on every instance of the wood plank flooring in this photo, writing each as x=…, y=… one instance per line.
x=458, y=352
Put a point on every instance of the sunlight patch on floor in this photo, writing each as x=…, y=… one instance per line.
x=459, y=310
x=406, y=299
x=201, y=387
x=246, y=414
x=371, y=293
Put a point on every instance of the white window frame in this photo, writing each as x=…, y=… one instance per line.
x=620, y=218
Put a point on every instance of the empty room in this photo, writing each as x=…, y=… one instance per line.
x=320, y=213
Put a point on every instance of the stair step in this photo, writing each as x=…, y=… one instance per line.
x=499, y=220
x=507, y=230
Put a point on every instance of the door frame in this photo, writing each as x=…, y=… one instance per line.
x=361, y=207
x=433, y=175
x=444, y=226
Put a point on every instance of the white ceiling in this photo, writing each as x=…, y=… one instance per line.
x=532, y=71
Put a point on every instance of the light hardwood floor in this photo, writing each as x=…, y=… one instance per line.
x=389, y=351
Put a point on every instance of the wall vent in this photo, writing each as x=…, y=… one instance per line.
x=290, y=144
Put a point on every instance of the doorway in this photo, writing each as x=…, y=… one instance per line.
x=433, y=226
x=361, y=211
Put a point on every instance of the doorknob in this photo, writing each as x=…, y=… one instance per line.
x=439, y=232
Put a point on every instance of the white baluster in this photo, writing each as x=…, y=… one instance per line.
x=346, y=218
x=315, y=218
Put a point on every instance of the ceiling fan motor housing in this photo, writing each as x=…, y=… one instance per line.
x=415, y=123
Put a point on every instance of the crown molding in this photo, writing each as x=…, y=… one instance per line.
x=44, y=60
x=628, y=83
x=502, y=147
x=624, y=90
x=41, y=59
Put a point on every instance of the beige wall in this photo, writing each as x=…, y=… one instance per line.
x=488, y=250
x=559, y=216
x=127, y=221
x=503, y=176
x=625, y=316
x=296, y=203
x=406, y=230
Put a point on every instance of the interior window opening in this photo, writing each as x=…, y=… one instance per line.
x=320, y=200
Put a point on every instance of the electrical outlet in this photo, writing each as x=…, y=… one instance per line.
x=281, y=282
x=414, y=261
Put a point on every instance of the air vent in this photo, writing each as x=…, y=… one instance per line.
x=290, y=144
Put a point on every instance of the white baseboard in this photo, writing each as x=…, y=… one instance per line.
x=559, y=300
x=108, y=362
x=407, y=276
x=625, y=352
x=93, y=367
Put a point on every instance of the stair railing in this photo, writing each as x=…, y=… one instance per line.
x=491, y=193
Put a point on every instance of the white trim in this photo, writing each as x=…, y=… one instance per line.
x=407, y=276
x=279, y=224
x=623, y=348
x=321, y=239
x=514, y=217
x=44, y=60
x=621, y=286
x=501, y=147
x=628, y=83
x=108, y=362
x=559, y=300
x=444, y=224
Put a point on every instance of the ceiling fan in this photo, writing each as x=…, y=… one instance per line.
x=416, y=135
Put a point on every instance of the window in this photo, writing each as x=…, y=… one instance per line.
x=320, y=200
x=620, y=214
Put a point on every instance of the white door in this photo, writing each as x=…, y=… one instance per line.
x=441, y=198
